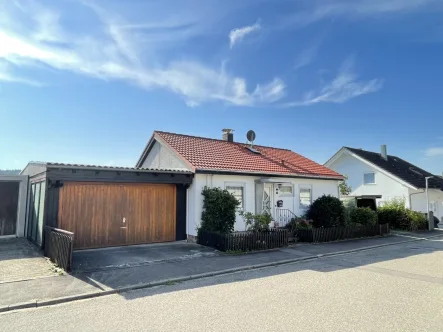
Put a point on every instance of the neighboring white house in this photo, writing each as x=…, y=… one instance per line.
x=264, y=179
x=385, y=177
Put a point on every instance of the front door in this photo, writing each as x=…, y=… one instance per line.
x=268, y=202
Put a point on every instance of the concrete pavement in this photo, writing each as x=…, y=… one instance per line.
x=399, y=289
x=38, y=292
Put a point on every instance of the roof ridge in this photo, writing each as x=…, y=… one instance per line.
x=358, y=149
x=220, y=140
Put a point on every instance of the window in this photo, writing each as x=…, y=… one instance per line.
x=305, y=198
x=369, y=178
x=285, y=190
x=237, y=191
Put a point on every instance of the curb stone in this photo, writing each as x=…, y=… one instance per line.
x=66, y=299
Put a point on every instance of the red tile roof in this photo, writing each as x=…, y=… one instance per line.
x=213, y=154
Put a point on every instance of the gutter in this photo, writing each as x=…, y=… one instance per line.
x=281, y=175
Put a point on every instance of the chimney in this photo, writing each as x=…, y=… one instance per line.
x=228, y=135
x=384, y=152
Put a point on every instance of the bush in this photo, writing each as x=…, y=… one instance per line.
x=417, y=220
x=363, y=216
x=327, y=211
x=219, y=210
x=257, y=222
x=297, y=224
x=394, y=213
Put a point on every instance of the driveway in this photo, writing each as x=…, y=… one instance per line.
x=20, y=260
x=131, y=256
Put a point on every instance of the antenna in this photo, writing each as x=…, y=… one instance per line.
x=250, y=135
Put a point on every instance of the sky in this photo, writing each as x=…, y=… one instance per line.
x=88, y=81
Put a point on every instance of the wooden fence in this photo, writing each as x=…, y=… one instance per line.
x=340, y=233
x=59, y=245
x=244, y=241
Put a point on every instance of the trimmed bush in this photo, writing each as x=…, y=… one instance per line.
x=363, y=216
x=219, y=210
x=327, y=211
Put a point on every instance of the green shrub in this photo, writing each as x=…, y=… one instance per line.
x=398, y=216
x=363, y=216
x=219, y=210
x=350, y=205
x=298, y=224
x=394, y=213
x=256, y=222
x=327, y=211
x=417, y=220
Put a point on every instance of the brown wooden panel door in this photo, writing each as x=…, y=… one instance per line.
x=103, y=214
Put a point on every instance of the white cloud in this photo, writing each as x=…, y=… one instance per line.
x=111, y=48
x=351, y=9
x=237, y=35
x=434, y=152
x=342, y=88
x=6, y=75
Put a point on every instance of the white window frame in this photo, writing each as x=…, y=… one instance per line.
x=291, y=194
x=242, y=185
x=369, y=184
x=300, y=187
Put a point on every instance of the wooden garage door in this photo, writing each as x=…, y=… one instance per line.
x=103, y=215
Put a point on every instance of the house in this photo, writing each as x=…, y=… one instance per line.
x=105, y=206
x=381, y=177
x=264, y=179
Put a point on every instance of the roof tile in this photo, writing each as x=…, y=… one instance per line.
x=213, y=154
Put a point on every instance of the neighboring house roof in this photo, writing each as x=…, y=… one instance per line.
x=400, y=168
x=207, y=154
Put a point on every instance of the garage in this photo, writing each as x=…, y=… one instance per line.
x=107, y=206
x=109, y=214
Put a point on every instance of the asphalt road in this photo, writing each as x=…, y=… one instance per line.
x=396, y=288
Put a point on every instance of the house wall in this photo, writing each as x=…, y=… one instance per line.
x=385, y=185
x=161, y=157
x=418, y=201
x=195, y=199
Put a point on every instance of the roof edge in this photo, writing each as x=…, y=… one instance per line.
x=288, y=175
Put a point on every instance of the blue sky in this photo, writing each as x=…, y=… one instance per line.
x=88, y=81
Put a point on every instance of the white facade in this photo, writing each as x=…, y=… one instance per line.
x=418, y=201
x=386, y=184
x=250, y=200
x=253, y=188
x=162, y=157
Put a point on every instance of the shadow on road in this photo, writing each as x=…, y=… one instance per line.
x=124, y=277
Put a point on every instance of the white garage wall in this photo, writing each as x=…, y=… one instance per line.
x=195, y=199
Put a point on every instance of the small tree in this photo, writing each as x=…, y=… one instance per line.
x=219, y=210
x=345, y=188
x=327, y=211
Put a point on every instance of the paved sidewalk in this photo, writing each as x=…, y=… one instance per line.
x=37, y=292
x=20, y=260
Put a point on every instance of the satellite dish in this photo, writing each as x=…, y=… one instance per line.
x=250, y=135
